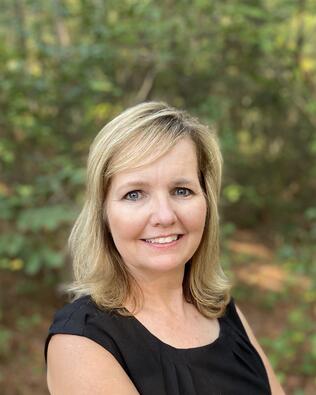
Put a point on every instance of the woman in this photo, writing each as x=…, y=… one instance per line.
x=152, y=312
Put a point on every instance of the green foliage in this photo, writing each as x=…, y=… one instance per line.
x=5, y=339
x=70, y=67
x=246, y=67
x=295, y=346
x=27, y=323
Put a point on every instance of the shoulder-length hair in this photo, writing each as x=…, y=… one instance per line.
x=136, y=137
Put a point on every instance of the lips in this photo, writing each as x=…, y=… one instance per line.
x=161, y=240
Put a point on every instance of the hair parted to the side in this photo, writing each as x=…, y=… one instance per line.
x=147, y=129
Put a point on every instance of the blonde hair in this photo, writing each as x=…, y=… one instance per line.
x=147, y=129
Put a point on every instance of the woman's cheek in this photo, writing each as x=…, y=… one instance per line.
x=128, y=220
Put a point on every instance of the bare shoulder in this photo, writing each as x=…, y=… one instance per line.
x=78, y=365
x=276, y=388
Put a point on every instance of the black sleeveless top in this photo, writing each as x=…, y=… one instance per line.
x=228, y=366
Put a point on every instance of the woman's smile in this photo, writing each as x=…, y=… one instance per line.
x=164, y=242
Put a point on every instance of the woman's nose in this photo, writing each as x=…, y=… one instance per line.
x=162, y=212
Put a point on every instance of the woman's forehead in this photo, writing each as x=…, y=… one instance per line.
x=177, y=165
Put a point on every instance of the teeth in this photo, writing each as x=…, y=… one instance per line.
x=162, y=240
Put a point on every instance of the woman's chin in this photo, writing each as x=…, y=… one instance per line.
x=163, y=266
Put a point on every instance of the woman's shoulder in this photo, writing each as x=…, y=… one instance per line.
x=97, y=369
x=232, y=318
x=82, y=317
x=75, y=313
x=77, y=365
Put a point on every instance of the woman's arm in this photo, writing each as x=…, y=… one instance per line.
x=79, y=366
x=275, y=386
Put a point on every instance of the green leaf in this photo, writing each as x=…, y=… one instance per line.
x=46, y=218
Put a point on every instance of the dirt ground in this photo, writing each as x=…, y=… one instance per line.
x=27, y=307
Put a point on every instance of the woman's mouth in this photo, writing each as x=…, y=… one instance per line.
x=161, y=242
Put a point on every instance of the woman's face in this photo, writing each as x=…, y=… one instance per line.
x=156, y=213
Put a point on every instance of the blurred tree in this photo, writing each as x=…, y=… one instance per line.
x=69, y=66
x=248, y=67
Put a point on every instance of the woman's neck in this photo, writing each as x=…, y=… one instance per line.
x=163, y=295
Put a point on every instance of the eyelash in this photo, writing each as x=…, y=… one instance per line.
x=181, y=188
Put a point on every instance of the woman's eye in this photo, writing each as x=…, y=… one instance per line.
x=137, y=194
x=133, y=195
x=183, y=191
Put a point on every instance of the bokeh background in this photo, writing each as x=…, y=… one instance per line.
x=247, y=67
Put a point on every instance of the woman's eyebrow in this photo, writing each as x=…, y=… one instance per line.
x=141, y=184
x=183, y=181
